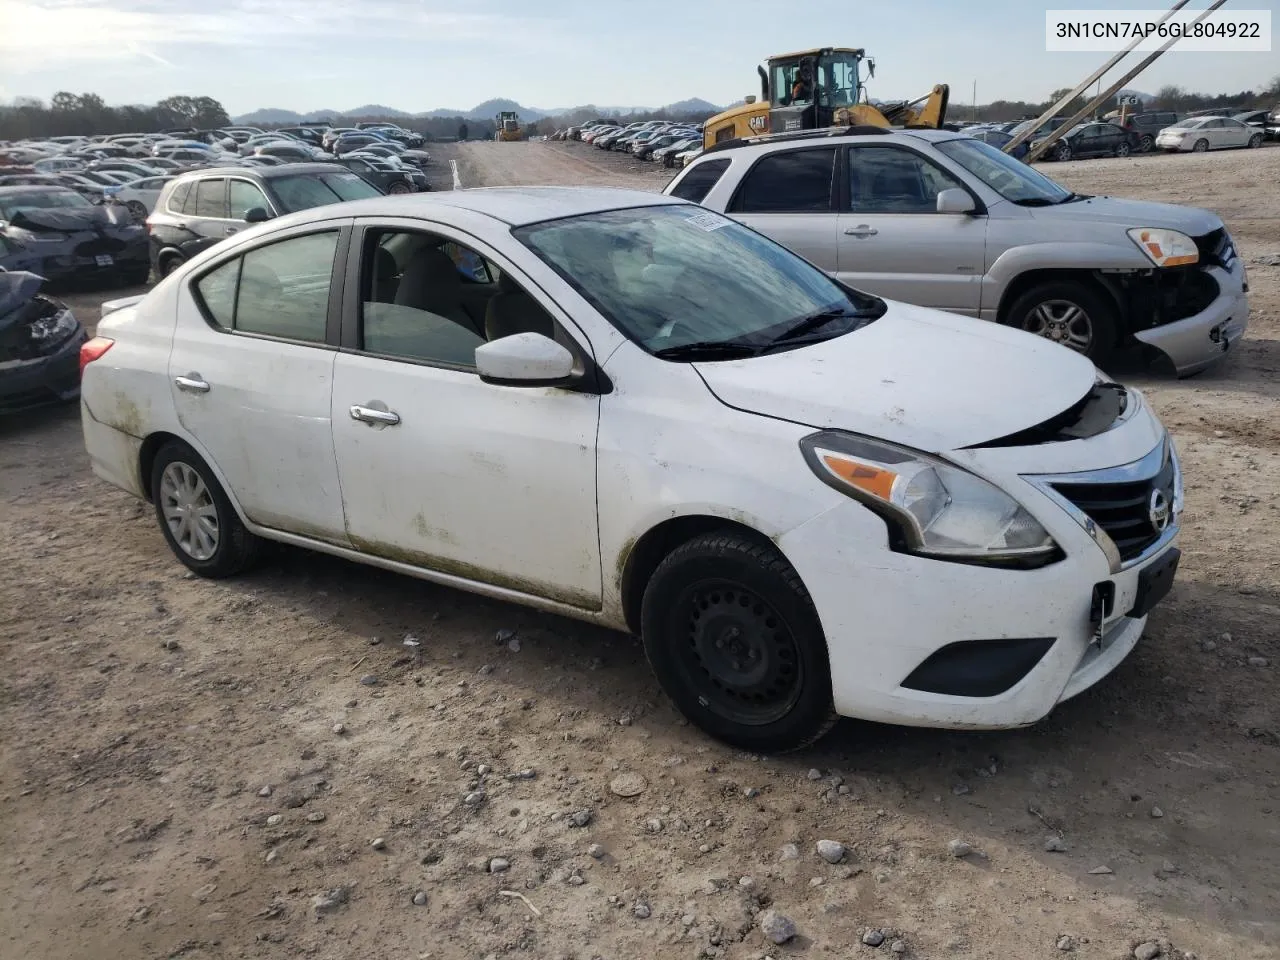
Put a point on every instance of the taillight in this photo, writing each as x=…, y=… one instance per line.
x=91, y=350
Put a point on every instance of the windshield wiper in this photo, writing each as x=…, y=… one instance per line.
x=1035, y=202
x=708, y=349
x=812, y=322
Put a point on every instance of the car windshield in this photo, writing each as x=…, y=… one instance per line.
x=687, y=283
x=305, y=191
x=1009, y=177
x=40, y=200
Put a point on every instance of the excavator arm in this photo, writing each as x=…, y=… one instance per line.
x=928, y=111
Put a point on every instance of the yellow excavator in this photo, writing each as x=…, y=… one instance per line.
x=820, y=88
x=508, y=126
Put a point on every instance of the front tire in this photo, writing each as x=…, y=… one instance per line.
x=1062, y=151
x=201, y=527
x=1071, y=314
x=1255, y=141
x=732, y=635
x=1201, y=146
x=1146, y=143
x=169, y=264
x=1123, y=150
x=399, y=188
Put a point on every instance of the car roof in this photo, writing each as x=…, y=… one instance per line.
x=863, y=134
x=8, y=189
x=267, y=173
x=515, y=206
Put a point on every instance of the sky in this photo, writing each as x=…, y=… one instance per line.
x=418, y=55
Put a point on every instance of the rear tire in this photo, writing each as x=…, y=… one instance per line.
x=1072, y=314
x=201, y=527
x=399, y=188
x=732, y=635
x=169, y=264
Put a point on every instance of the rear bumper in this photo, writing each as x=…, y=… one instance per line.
x=1199, y=342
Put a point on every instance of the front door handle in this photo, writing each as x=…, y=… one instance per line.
x=192, y=383
x=371, y=415
x=861, y=230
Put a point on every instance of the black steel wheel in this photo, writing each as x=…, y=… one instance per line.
x=734, y=640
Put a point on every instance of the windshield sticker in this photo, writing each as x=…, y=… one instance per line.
x=708, y=221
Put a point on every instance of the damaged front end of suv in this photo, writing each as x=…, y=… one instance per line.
x=40, y=341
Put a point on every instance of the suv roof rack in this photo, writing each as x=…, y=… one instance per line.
x=857, y=129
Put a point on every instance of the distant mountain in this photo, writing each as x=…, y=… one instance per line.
x=482, y=111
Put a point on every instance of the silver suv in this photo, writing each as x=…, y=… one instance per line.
x=944, y=220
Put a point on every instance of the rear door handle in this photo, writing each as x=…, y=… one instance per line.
x=371, y=415
x=861, y=230
x=192, y=383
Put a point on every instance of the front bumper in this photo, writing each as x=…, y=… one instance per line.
x=1199, y=342
x=886, y=615
x=30, y=384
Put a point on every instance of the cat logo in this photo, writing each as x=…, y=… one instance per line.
x=758, y=124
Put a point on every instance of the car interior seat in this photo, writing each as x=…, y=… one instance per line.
x=430, y=282
x=512, y=311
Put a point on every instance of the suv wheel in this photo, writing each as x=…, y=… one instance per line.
x=1146, y=143
x=1070, y=314
x=734, y=640
x=1062, y=151
x=1123, y=150
x=399, y=187
x=169, y=264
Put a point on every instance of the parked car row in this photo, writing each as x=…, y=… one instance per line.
x=103, y=189
x=662, y=141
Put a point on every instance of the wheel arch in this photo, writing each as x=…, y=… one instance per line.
x=1029, y=279
x=153, y=443
x=638, y=562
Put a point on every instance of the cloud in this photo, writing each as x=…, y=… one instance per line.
x=39, y=34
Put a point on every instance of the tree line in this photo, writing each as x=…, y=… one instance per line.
x=87, y=114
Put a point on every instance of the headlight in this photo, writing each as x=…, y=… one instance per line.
x=53, y=329
x=1165, y=248
x=26, y=237
x=940, y=510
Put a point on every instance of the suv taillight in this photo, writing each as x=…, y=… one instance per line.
x=91, y=350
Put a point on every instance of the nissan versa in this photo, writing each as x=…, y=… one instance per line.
x=807, y=500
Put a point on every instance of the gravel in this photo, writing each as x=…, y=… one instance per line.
x=789, y=852
x=627, y=785
x=959, y=849
x=873, y=938
x=579, y=818
x=641, y=911
x=1146, y=951
x=420, y=898
x=1066, y=944
x=1055, y=845
x=596, y=851
x=499, y=864
x=378, y=843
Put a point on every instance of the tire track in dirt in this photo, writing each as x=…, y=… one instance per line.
x=546, y=163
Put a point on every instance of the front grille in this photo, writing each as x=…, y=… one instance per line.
x=1123, y=510
x=100, y=245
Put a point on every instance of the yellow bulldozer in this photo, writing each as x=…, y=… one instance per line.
x=508, y=126
x=820, y=88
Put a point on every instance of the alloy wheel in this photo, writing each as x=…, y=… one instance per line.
x=1062, y=322
x=189, y=511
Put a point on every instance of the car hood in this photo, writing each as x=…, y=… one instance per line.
x=922, y=378
x=74, y=220
x=1192, y=221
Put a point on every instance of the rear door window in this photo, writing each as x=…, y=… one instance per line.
x=245, y=196
x=211, y=198
x=178, y=197
x=797, y=181
x=697, y=183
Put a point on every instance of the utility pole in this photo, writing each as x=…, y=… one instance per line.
x=1066, y=128
x=1044, y=118
x=975, y=100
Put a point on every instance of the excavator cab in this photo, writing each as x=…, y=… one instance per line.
x=807, y=90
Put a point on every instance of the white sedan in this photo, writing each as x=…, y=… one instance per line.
x=624, y=408
x=1200, y=134
x=139, y=196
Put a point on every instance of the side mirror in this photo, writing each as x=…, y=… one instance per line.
x=955, y=200
x=524, y=360
x=260, y=215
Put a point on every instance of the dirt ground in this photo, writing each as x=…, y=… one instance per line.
x=173, y=782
